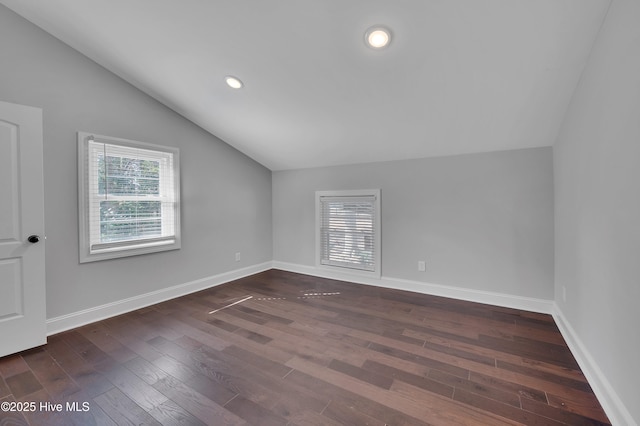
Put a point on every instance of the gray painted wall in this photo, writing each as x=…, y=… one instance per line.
x=480, y=221
x=597, y=201
x=226, y=197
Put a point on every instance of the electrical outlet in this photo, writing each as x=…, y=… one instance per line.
x=422, y=266
x=238, y=257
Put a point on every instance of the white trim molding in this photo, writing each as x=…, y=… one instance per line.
x=92, y=147
x=479, y=296
x=98, y=313
x=611, y=403
x=362, y=197
x=608, y=398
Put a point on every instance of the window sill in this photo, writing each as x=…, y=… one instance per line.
x=94, y=255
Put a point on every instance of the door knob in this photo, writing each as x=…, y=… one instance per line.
x=33, y=239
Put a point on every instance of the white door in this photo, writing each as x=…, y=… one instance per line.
x=22, y=279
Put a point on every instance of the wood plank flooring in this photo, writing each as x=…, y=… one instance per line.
x=303, y=351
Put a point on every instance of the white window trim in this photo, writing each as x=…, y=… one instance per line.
x=87, y=217
x=376, y=273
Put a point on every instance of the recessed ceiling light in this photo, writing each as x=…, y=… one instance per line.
x=233, y=82
x=377, y=37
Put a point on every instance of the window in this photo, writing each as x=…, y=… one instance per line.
x=128, y=197
x=348, y=230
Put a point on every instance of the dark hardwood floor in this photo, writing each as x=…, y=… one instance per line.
x=303, y=351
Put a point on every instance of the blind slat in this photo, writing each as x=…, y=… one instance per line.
x=347, y=232
x=131, y=196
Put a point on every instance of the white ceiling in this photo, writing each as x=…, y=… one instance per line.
x=460, y=76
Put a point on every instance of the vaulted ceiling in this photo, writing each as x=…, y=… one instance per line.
x=459, y=76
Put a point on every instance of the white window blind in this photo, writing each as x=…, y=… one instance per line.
x=348, y=231
x=130, y=197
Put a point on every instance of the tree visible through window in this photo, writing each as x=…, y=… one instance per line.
x=130, y=197
x=126, y=177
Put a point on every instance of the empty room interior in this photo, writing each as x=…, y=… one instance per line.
x=319, y=212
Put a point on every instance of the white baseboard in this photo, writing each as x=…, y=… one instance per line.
x=611, y=403
x=491, y=298
x=87, y=316
x=613, y=406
